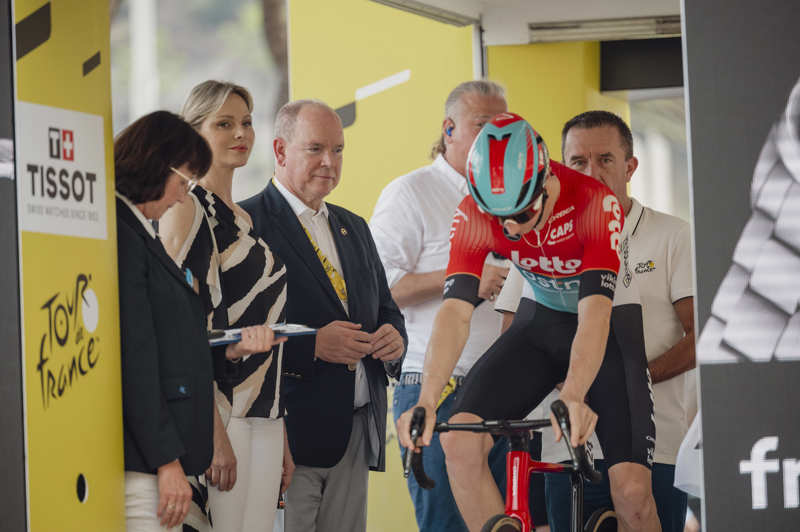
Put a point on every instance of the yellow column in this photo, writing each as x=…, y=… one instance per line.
x=550, y=83
x=68, y=259
x=391, y=70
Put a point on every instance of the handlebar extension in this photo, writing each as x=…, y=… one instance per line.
x=581, y=461
x=413, y=459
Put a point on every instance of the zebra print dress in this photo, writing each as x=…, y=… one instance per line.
x=242, y=283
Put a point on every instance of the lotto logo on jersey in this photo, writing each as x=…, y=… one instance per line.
x=546, y=264
x=611, y=204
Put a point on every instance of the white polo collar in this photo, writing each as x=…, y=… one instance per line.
x=634, y=216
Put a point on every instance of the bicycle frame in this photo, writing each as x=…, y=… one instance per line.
x=519, y=467
x=519, y=464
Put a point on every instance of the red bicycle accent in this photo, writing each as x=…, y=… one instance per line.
x=519, y=466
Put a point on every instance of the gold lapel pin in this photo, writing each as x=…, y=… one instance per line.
x=343, y=231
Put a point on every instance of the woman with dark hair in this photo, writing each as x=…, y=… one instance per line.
x=167, y=369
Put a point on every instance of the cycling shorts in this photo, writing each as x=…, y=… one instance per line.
x=532, y=356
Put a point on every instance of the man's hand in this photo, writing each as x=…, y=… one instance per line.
x=581, y=421
x=174, y=494
x=404, y=427
x=256, y=339
x=342, y=342
x=222, y=471
x=492, y=280
x=387, y=344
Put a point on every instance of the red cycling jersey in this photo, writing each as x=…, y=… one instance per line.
x=573, y=256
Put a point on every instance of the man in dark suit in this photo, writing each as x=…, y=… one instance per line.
x=335, y=381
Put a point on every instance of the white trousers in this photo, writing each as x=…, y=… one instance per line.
x=250, y=506
x=141, y=505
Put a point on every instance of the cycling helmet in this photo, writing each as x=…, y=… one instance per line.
x=507, y=165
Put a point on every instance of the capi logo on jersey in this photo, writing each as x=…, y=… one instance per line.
x=62, y=143
x=546, y=264
x=562, y=230
x=611, y=204
x=759, y=465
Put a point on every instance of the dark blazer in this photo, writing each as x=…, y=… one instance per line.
x=319, y=394
x=167, y=374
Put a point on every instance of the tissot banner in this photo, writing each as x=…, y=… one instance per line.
x=68, y=266
x=61, y=157
x=743, y=73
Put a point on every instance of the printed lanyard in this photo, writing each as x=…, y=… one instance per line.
x=334, y=276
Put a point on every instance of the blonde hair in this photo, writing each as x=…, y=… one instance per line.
x=482, y=87
x=207, y=97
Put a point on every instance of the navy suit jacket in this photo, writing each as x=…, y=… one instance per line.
x=319, y=394
x=167, y=371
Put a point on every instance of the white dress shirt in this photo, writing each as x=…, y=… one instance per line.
x=411, y=228
x=316, y=223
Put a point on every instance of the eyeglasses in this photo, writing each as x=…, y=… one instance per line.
x=525, y=216
x=190, y=181
x=521, y=217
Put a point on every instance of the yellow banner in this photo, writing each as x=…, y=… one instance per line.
x=387, y=73
x=65, y=198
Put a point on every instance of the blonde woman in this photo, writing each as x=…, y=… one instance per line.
x=242, y=283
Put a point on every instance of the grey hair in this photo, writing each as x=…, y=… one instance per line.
x=286, y=118
x=207, y=97
x=481, y=87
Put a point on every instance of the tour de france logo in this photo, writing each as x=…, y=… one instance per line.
x=69, y=349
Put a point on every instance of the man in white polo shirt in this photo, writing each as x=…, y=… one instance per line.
x=411, y=228
x=659, y=261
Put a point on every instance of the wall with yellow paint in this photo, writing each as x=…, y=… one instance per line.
x=338, y=47
x=550, y=83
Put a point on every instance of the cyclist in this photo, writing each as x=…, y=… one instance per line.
x=561, y=229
